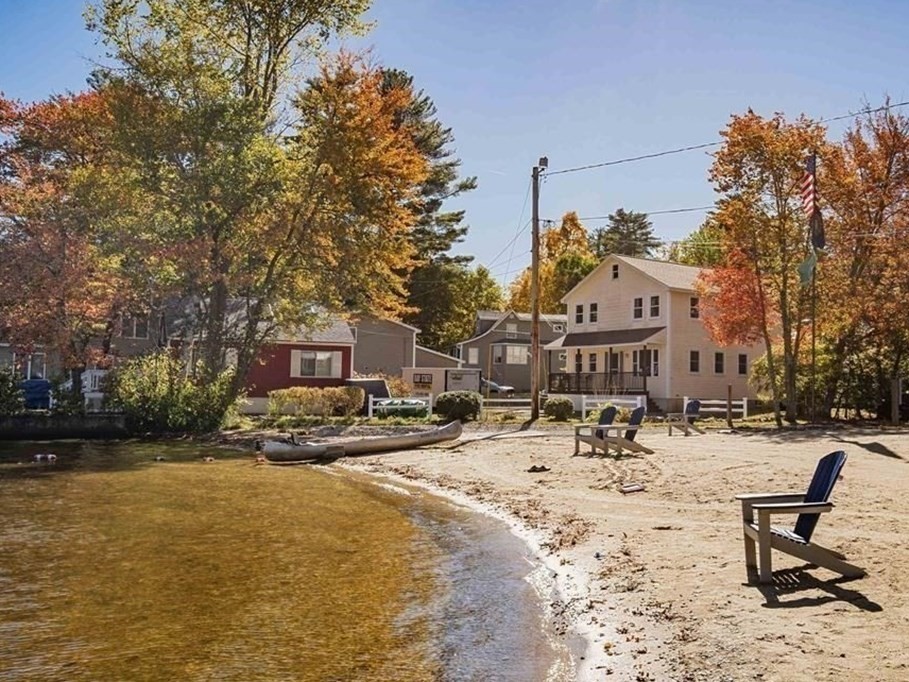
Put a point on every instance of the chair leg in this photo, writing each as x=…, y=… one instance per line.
x=766, y=572
x=750, y=554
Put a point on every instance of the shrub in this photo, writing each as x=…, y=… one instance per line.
x=463, y=405
x=559, y=409
x=339, y=401
x=622, y=415
x=12, y=399
x=157, y=396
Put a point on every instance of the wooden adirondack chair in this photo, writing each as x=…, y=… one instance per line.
x=594, y=433
x=619, y=443
x=797, y=542
x=684, y=421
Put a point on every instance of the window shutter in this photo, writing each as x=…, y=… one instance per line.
x=295, y=357
x=336, y=357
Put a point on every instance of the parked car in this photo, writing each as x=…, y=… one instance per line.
x=493, y=387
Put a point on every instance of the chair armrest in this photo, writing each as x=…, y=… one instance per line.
x=798, y=508
x=580, y=427
x=779, y=497
x=751, y=500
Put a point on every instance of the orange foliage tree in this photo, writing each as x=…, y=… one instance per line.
x=754, y=293
x=61, y=284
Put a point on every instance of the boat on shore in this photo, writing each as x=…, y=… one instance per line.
x=291, y=452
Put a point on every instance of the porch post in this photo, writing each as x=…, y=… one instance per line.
x=645, y=366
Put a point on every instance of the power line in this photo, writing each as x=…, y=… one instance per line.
x=707, y=145
x=667, y=211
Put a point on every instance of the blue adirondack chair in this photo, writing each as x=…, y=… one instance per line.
x=684, y=421
x=607, y=414
x=626, y=440
x=797, y=542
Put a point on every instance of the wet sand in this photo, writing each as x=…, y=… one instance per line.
x=655, y=580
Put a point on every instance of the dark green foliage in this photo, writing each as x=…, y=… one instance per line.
x=628, y=233
x=157, y=396
x=463, y=405
x=559, y=409
x=12, y=400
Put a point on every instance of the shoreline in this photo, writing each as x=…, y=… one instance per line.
x=655, y=581
x=562, y=585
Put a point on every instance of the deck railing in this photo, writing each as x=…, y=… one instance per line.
x=596, y=382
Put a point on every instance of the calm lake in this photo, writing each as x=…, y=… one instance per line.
x=114, y=566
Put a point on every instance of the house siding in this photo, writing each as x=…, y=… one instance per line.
x=383, y=347
x=614, y=299
x=273, y=371
x=427, y=359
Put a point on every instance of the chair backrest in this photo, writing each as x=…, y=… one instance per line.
x=637, y=416
x=825, y=475
x=693, y=409
x=607, y=414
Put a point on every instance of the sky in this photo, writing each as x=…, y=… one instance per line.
x=579, y=81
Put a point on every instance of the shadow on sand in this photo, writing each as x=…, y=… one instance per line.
x=791, y=581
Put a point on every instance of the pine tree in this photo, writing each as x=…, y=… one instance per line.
x=628, y=233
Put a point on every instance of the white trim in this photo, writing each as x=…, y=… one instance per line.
x=629, y=261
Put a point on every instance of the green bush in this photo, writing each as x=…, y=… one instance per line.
x=157, y=396
x=559, y=409
x=338, y=401
x=12, y=399
x=622, y=415
x=463, y=405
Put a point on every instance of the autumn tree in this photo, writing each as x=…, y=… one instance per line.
x=702, y=248
x=276, y=198
x=61, y=282
x=863, y=282
x=565, y=260
x=754, y=293
x=627, y=233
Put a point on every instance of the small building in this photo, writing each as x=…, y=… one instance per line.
x=500, y=346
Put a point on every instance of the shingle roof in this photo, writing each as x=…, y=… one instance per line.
x=615, y=337
x=523, y=317
x=673, y=275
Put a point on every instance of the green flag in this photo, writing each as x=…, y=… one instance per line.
x=806, y=268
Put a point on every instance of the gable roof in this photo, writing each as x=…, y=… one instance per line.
x=614, y=337
x=500, y=317
x=671, y=275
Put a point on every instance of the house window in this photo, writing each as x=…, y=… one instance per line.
x=578, y=362
x=473, y=356
x=318, y=363
x=743, y=364
x=30, y=366
x=579, y=314
x=654, y=363
x=694, y=361
x=558, y=328
x=592, y=364
x=511, y=330
x=694, y=311
x=498, y=355
x=719, y=363
x=638, y=309
x=654, y=306
x=135, y=327
x=594, y=313
x=516, y=355
x=615, y=271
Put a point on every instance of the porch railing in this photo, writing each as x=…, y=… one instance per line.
x=596, y=382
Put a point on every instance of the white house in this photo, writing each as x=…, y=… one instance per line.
x=634, y=327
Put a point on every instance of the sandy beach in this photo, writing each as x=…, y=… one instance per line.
x=656, y=580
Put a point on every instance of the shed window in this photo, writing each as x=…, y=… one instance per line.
x=615, y=271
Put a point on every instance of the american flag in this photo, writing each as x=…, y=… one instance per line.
x=809, y=187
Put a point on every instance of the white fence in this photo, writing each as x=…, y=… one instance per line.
x=488, y=405
x=374, y=408
x=719, y=406
x=598, y=402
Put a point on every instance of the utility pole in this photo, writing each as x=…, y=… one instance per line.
x=535, y=293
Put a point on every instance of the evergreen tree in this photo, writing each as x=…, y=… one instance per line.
x=628, y=233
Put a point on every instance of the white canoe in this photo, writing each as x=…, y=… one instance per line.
x=282, y=451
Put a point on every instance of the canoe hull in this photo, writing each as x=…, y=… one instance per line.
x=278, y=451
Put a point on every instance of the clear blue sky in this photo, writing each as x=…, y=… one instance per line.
x=580, y=81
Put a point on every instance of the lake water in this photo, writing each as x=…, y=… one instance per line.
x=114, y=566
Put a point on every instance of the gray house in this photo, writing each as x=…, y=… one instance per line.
x=387, y=346
x=500, y=346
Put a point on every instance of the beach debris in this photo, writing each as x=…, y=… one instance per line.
x=260, y=459
x=208, y=459
x=49, y=458
x=537, y=468
x=160, y=458
x=631, y=488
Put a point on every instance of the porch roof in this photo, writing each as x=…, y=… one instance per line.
x=614, y=337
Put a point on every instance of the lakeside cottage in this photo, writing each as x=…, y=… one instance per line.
x=634, y=327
